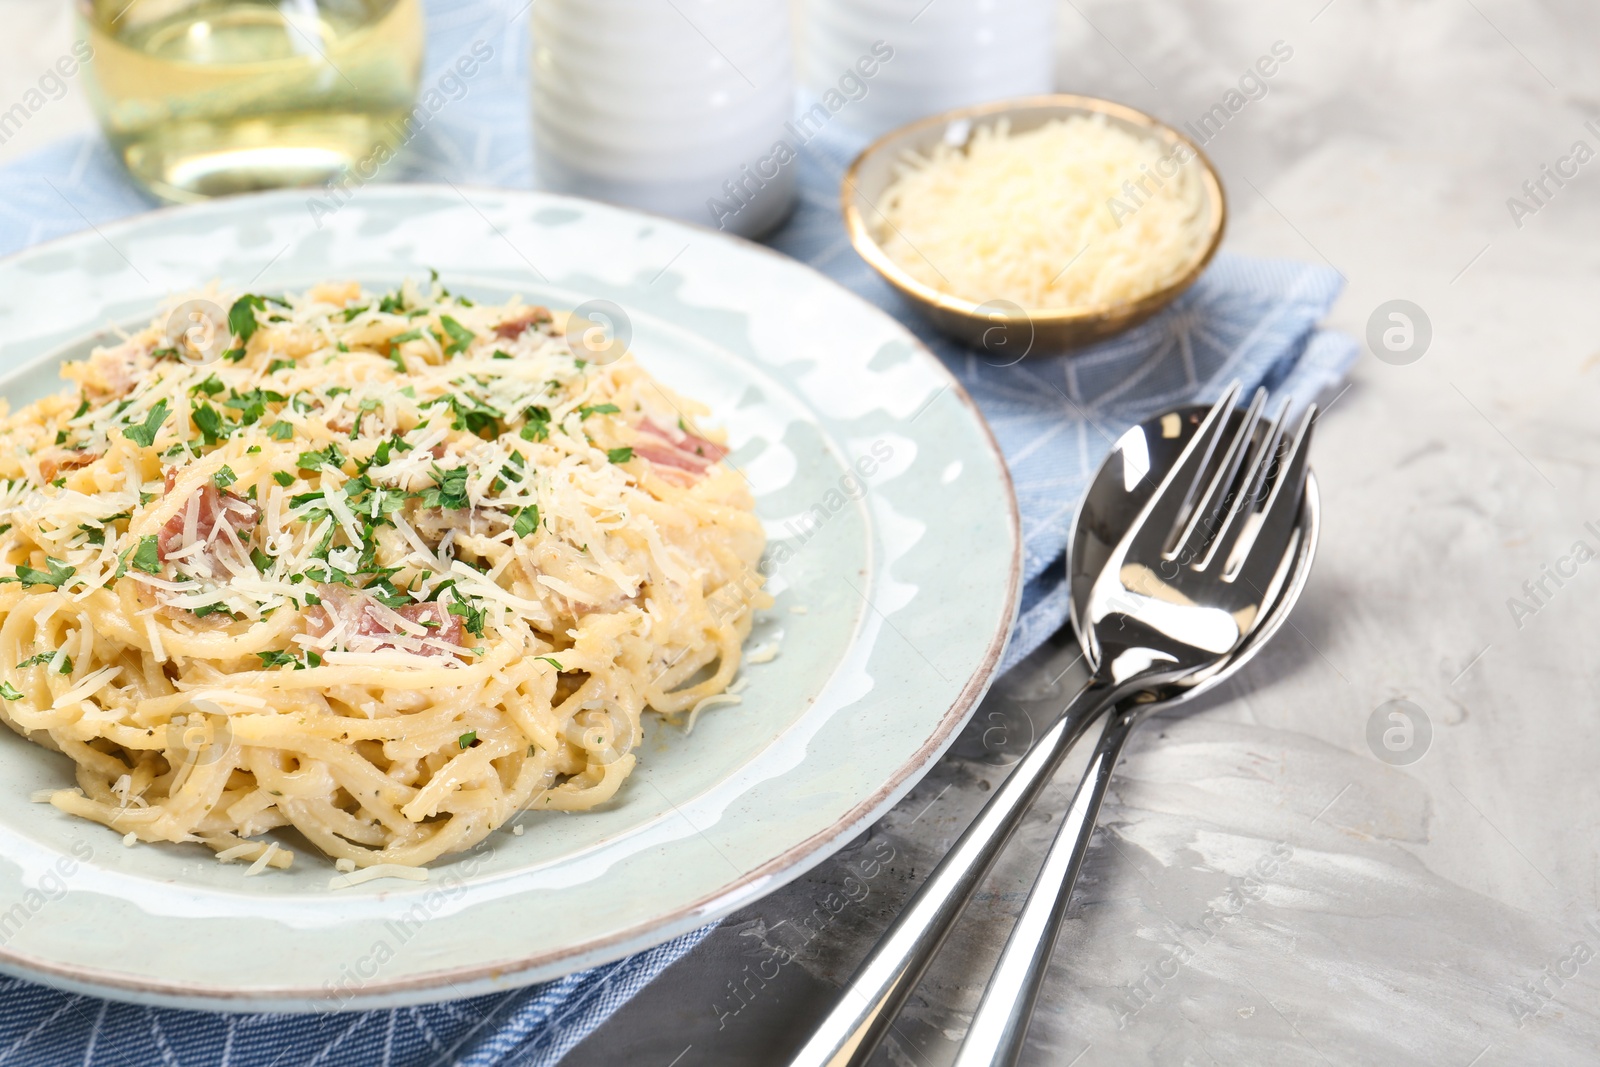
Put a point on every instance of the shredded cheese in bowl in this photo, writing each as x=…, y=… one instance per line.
x=1076, y=213
x=387, y=570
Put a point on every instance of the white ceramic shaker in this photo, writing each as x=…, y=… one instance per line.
x=671, y=106
x=943, y=54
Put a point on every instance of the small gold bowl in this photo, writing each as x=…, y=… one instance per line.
x=998, y=325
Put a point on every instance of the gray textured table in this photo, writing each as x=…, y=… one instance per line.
x=1267, y=889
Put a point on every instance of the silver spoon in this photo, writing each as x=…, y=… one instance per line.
x=1121, y=489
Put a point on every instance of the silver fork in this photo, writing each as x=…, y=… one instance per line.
x=1130, y=655
x=1227, y=573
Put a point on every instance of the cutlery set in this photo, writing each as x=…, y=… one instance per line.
x=1189, y=550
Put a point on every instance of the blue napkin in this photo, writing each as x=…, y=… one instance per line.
x=1247, y=319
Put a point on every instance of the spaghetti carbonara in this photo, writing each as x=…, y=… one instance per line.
x=386, y=569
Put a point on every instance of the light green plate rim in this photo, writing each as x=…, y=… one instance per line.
x=908, y=579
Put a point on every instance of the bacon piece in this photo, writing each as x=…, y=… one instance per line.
x=52, y=464
x=514, y=327
x=113, y=372
x=366, y=628
x=216, y=508
x=684, y=457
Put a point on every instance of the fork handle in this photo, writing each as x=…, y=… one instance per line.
x=1000, y=1025
x=868, y=1004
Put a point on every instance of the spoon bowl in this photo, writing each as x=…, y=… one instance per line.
x=1123, y=485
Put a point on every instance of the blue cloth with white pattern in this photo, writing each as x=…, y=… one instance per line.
x=1247, y=319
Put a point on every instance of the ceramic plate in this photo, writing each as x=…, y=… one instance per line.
x=883, y=495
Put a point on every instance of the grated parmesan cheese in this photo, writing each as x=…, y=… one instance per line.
x=378, y=870
x=709, y=702
x=1075, y=213
x=262, y=860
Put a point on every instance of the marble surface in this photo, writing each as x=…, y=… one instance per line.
x=1267, y=889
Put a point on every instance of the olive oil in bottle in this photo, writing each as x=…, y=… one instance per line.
x=204, y=98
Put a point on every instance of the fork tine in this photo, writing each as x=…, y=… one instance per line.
x=1263, y=557
x=1251, y=491
x=1152, y=530
x=1213, y=505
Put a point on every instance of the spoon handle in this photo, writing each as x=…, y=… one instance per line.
x=1000, y=1026
x=868, y=1004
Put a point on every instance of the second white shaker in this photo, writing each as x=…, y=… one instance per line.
x=945, y=54
x=672, y=106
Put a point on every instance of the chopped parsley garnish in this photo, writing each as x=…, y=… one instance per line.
x=242, y=317
x=224, y=477
x=329, y=457
x=538, y=424
x=471, y=616
x=468, y=739
x=9, y=691
x=211, y=386
x=56, y=575
x=262, y=561
x=283, y=478
x=280, y=364
x=252, y=405
x=144, y=434
x=210, y=423
x=552, y=661
x=386, y=448
x=287, y=659
x=43, y=660
x=449, y=489
x=281, y=431
x=527, y=521
x=597, y=409
x=474, y=416
x=147, y=556
x=460, y=336
x=619, y=455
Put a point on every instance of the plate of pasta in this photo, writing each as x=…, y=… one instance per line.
x=460, y=590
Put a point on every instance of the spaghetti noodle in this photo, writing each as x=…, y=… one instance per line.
x=385, y=569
